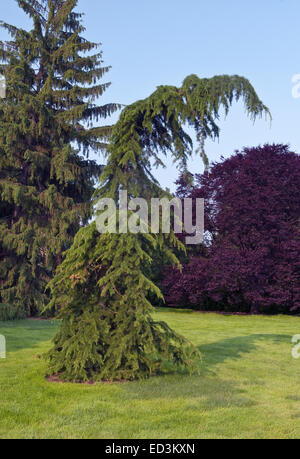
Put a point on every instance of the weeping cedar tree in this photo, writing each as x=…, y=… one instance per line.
x=102, y=288
x=46, y=131
x=252, y=259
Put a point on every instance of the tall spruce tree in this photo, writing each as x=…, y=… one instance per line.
x=46, y=132
x=102, y=288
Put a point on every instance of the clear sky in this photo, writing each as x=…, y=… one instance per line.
x=154, y=42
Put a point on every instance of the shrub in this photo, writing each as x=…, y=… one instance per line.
x=9, y=312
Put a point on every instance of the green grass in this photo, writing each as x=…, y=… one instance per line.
x=248, y=386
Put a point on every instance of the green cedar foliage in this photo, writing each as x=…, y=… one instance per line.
x=46, y=132
x=103, y=288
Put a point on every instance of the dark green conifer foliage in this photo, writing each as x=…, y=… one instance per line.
x=46, y=132
x=102, y=288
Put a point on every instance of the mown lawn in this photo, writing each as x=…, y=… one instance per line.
x=248, y=386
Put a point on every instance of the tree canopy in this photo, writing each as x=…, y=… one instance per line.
x=102, y=288
x=48, y=126
x=252, y=252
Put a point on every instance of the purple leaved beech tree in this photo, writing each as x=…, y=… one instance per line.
x=251, y=258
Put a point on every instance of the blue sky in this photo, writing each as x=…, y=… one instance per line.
x=154, y=42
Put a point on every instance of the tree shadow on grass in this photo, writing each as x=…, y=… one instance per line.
x=26, y=334
x=215, y=353
x=206, y=390
x=234, y=348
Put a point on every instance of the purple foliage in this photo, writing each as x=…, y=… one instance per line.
x=252, y=219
